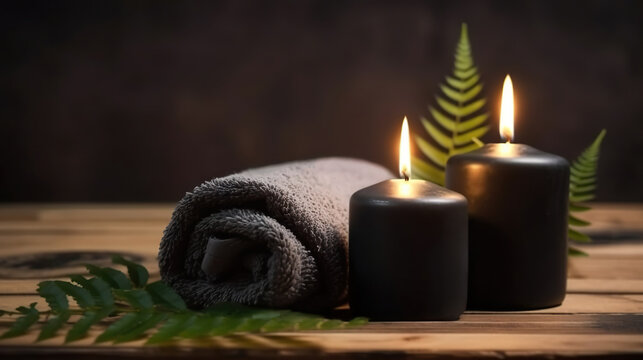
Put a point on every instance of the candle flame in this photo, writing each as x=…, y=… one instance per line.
x=405, y=151
x=507, y=111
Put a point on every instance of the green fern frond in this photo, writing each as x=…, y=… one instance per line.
x=582, y=187
x=153, y=311
x=458, y=119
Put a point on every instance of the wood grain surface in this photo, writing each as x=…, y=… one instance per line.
x=602, y=316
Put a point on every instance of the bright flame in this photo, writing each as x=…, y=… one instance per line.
x=405, y=151
x=507, y=111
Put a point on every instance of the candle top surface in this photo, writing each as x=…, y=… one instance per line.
x=510, y=153
x=412, y=190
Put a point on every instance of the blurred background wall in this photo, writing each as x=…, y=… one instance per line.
x=143, y=100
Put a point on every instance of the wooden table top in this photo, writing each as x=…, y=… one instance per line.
x=601, y=317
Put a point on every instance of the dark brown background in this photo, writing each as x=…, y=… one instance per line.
x=140, y=101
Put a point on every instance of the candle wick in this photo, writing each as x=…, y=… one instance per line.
x=406, y=177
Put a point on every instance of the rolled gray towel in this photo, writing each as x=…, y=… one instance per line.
x=275, y=236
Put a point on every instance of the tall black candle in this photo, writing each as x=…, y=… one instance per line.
x=517, y=200
x=408, y=249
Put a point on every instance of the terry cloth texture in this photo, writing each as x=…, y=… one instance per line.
x=275, y=236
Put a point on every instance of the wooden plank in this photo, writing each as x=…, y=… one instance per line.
x=597, y=303
x=595, y=267
x=338, y=344
x=603, y=286
x=614, y=249
x=483, y=332
x=28, y=286
x=84, y=212
x=86, y=227
x=524, y=323
x=509, y=323
x=17, y=243
x=573, y=304
x=608, y=216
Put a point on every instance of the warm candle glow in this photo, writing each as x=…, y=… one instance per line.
x=507, y=111
x=405, y=151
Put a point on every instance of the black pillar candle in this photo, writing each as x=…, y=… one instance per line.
x=517, y=225
x=408, y=251
x=517, y=199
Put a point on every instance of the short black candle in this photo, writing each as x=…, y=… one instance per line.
x=408, y=251
x=517, y=225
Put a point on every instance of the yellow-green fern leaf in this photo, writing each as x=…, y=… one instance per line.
x=425, y=170
x=436, y=134
x=442, y=119
x=465, y=74
x=458, y=120
x=466, y=138
x=432, y=152
x=462, y=85
x=465, y=149
x=472, y=123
